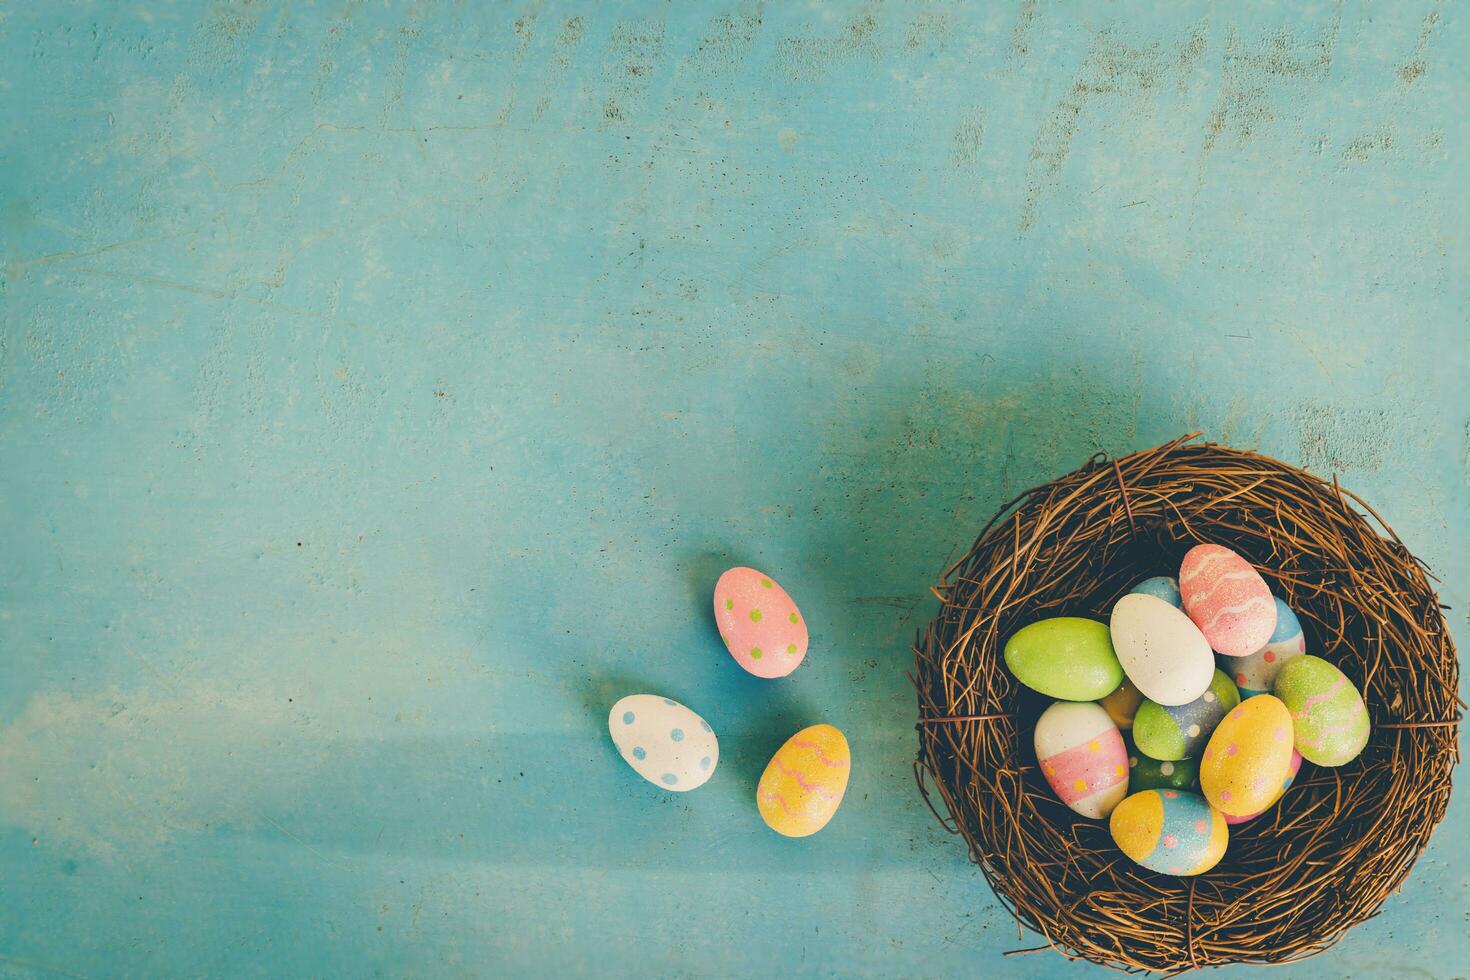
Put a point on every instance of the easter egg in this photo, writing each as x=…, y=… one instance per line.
x=1146, y=773
x=1256, y=674
x=1173, y=732
x=1164, y=587
x=1066, y=658
x=1081, y=754
x=1227, y=599
x=1162, y=652
x=664, y=742
x=1247, y=759
x=804, y=781
x=1291, y=771
x=1329, y=716
x=1170, y=831
x=1123, y=704
x=761, y=626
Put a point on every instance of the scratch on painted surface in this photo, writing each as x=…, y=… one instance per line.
x=1367, y=145
x=409, y=33
x=967, y=138
x=633, y=52
x=929, y=26
x=1114, y=68
x=216, y=293
x=563, y=51
x=329, y=48
x=1416, y=65
x=807, y=59
x=276, y=824
x=897, y=601
x=524, y=28
x=15, y=268
x=1021, y=35
x=726, y=41
x=1251, y=74
x=1334, y=439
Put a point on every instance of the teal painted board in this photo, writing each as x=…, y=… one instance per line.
x=383, y=387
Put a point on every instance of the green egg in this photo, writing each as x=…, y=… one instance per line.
x=1066, y=658
x=1181, y=731
x=1147, y=773
x=1329, y=720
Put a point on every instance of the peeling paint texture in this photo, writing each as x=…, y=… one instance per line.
x=383, y=387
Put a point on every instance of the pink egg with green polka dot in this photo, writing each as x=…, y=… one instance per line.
x=761, y=626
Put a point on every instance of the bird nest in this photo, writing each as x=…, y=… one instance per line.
x=1293, y=881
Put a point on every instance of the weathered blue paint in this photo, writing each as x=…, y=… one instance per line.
x=383, y=386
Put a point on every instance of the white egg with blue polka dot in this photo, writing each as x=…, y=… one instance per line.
x=664, y=742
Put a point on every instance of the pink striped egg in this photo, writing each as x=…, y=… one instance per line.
x=1227, y=599
x=1082, y=756
x=761, y=626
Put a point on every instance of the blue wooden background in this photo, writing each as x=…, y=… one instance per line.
x=384, y=385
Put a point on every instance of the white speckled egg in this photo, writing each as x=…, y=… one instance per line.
x=664, y=742
x=1162, y=652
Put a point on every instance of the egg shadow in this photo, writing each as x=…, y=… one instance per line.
x=765, y=713
x=600, y=693
x=769, y=728
x=911, y=469
x=704, y=570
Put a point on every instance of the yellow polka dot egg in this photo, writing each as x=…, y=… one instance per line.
x=761, y=626
x=1248, y=759
x=1122, y=705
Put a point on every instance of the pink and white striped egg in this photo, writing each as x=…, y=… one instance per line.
x=1083, y=757
x=761, y=626
x=1227, y=599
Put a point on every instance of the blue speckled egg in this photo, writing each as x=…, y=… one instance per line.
x=1162, y=587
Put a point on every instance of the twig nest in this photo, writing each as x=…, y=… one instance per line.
x=1332, y=850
